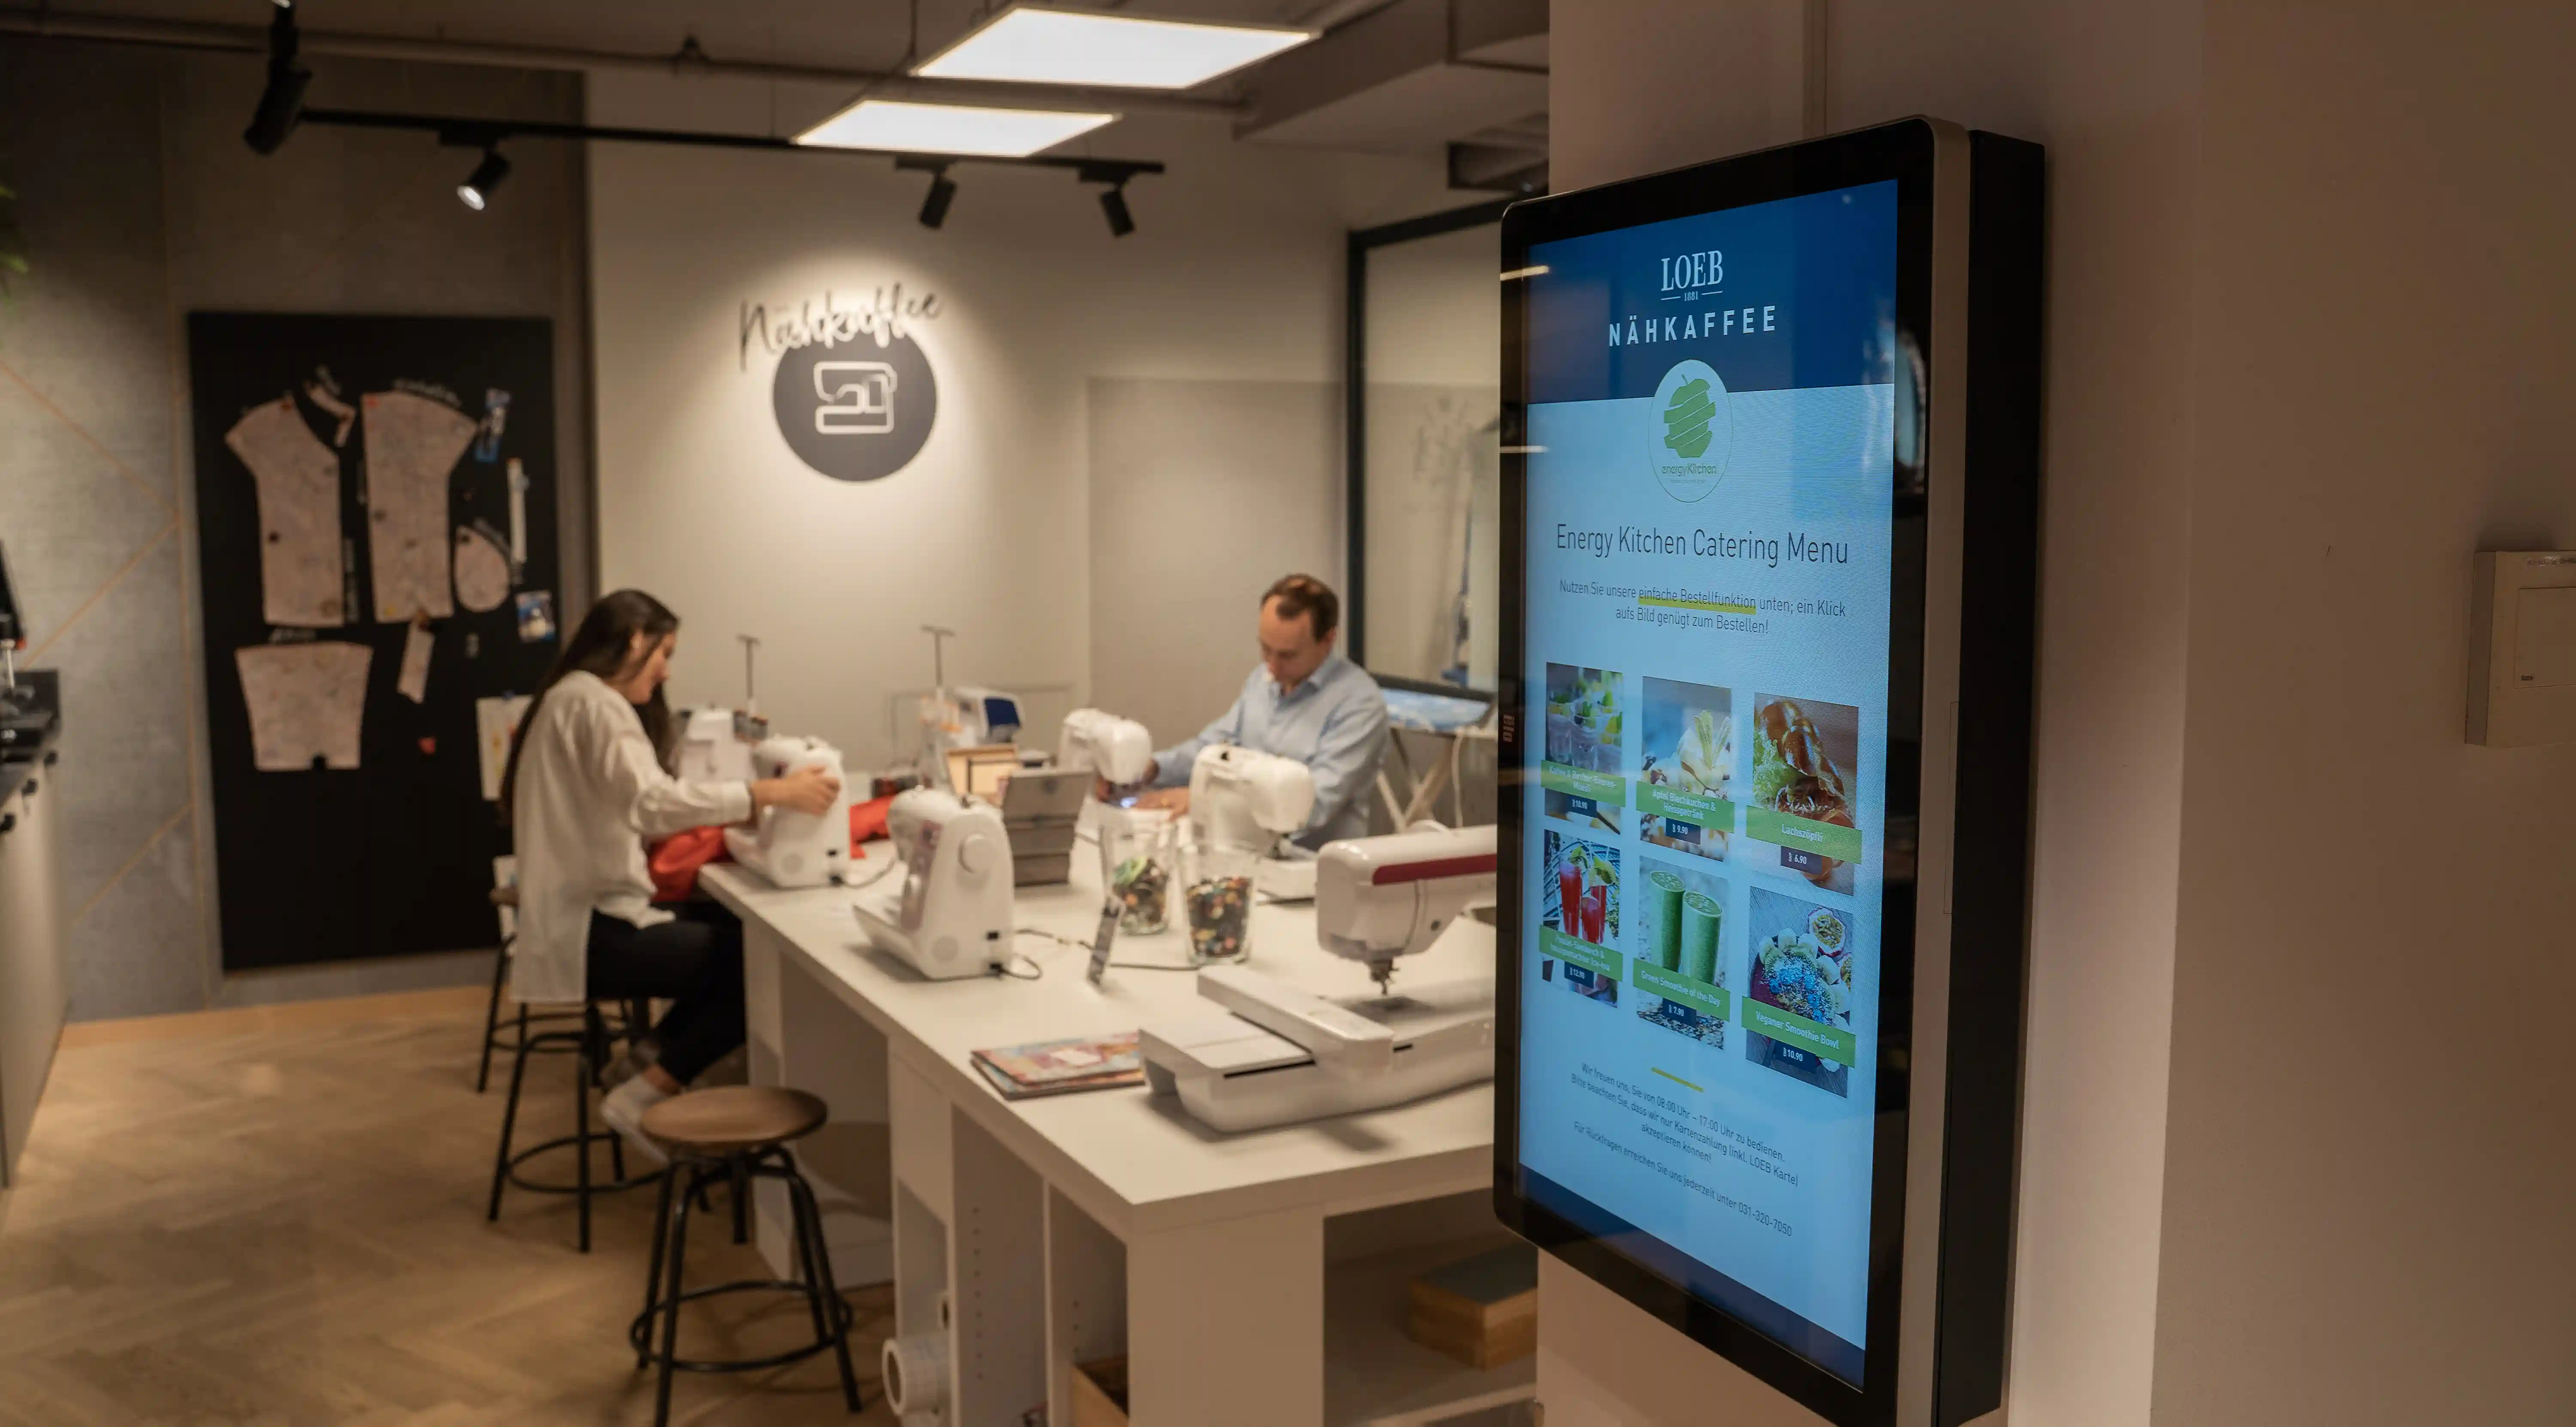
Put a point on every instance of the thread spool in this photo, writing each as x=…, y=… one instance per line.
x=915, y=1372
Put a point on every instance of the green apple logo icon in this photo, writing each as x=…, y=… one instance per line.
x=1686, y=419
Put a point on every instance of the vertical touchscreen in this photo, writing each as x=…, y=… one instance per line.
x=1714, y=429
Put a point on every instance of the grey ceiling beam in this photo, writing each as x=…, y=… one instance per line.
x=1402, y=74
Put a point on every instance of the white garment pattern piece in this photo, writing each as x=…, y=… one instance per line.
x=306, y=701
x=482, y=571
x=496, y=722
x=298, y=479
x=412, y=446
x=412, y=680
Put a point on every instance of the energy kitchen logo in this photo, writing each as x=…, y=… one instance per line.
x=1690, y=431
x=854, y=394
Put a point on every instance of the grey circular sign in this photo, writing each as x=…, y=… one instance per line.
x=856, y=411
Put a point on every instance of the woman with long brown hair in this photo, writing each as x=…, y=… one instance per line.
x=587, y=783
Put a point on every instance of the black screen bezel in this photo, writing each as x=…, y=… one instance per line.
x=1904, y=153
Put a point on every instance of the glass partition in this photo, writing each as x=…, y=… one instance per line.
x=1425, y=489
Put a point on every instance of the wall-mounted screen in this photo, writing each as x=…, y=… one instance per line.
x=1724, y=616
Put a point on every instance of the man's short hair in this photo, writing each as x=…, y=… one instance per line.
x=1308, y=596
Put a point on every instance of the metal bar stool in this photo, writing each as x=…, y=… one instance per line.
x=588, y=1045
x=736, y=1134
x=507, y=897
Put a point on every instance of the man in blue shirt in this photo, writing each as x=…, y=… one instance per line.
x=1304, y=702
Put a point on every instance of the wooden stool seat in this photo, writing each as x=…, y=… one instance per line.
x=735, y=1119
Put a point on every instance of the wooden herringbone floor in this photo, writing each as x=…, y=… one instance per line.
x=285, y=1226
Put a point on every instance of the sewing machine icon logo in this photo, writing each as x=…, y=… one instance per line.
x=857, y=410
x=857, y=397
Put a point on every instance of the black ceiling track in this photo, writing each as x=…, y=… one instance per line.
x=485, y=133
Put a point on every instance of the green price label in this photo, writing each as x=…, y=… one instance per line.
x=1805, y=834
x=1682, y=990
x=1838, y=1046
x=1575, y=951
x=1608, y=789
x=1715, y=813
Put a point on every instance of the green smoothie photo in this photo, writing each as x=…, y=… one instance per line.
x=1667, y=891
x=1699, y=920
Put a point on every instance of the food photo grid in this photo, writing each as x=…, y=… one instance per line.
x=1745, y=812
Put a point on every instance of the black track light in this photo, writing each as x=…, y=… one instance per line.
x=281, y=104
x=1113, y=202
x=934, y=204
x=476, y=190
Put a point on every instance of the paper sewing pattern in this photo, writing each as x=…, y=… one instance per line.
x=518, y=514
x=413, y=444
x=298, y=479
x=306, y=702
x=482, y=571
x=496, y=721
x=413, y=682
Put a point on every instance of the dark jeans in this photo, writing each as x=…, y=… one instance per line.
x=694, y=962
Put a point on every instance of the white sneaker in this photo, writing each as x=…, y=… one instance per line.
x=623, y=1108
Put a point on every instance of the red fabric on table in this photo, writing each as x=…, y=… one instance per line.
x=675, y=860
x=868, y=821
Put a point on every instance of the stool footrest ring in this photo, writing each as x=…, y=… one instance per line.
x=639, y=1332
x=597, y=1186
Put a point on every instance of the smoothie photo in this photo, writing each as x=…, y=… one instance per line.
x=1579, y=914
x=1677, y=972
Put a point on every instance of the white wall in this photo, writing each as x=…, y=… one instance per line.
x=2307, y=298
x=2371, y=1187
x=1202, y=494
x=1234, y=274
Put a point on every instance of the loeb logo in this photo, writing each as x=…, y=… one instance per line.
x=854, y=394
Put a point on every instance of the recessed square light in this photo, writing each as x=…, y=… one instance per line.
x=1037, y=44
x=949, y=128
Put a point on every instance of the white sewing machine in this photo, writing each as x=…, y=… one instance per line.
x=710, y=750
x=1239, y=798
x=1284, y=1055
x=790, y=848
x=913, y=808
x=1119, y=750
x=968, y=718
x=952, y=916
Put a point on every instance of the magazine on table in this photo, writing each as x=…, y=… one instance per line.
x=1063, y=1067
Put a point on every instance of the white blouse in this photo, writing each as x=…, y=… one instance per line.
x=590, y=792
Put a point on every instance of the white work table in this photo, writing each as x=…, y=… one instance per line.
x=1250, y=1278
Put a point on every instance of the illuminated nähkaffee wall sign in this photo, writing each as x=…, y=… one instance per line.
x=853, y=392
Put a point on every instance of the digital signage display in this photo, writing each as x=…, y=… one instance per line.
x=1732, y=569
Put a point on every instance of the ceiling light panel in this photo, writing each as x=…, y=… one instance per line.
x=1034, y=44
x=949, y=129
